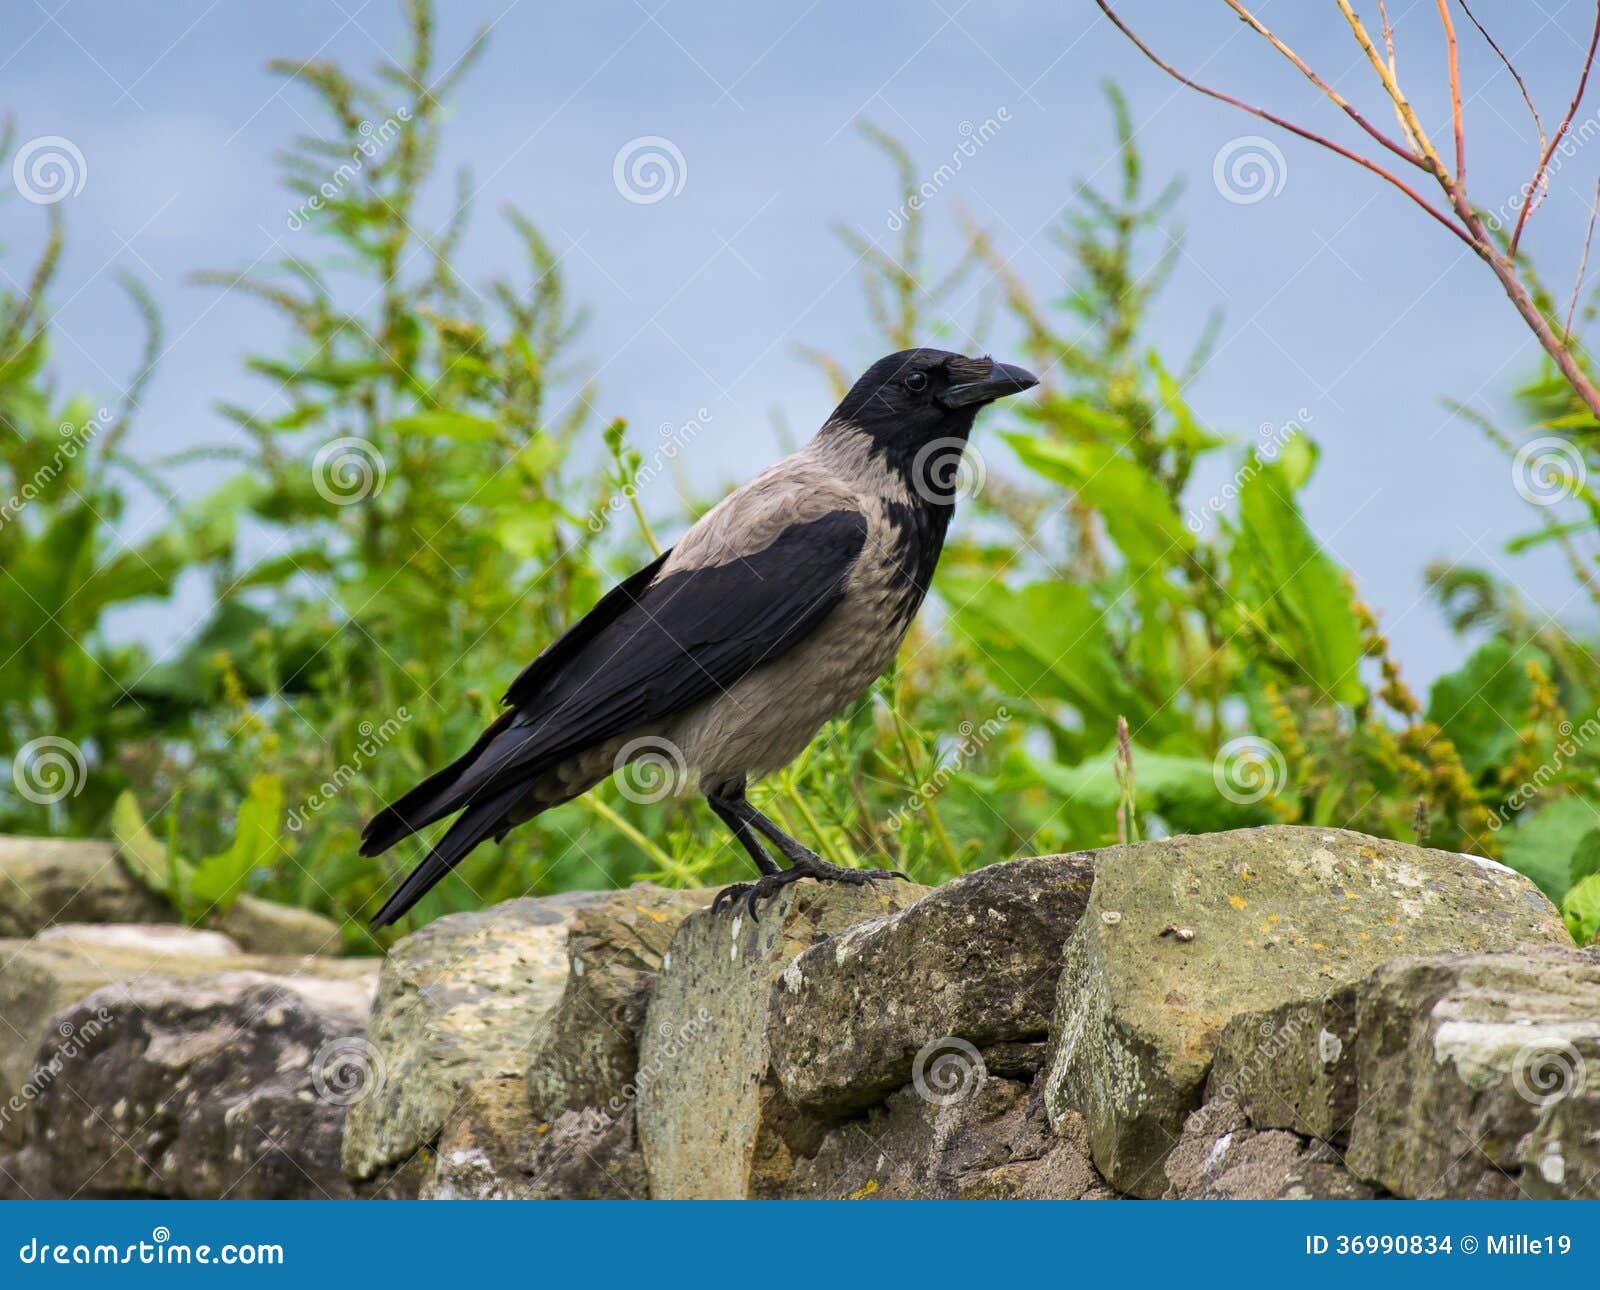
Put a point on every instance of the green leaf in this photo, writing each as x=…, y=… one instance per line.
x=1543, y=842
x=1291, y=585
x=219, y=879
x=1550, y=533
x=141, y=853
x=1297, y=458
x=1185, y=429
x=1580, y=908
x=1480, y=706
x=1138, y=513
x=1585, y=860
x=447, y=425
x=1182, y=790
x=1048, y=640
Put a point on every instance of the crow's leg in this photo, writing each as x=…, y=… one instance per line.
x=747, y=823
x=728, y=801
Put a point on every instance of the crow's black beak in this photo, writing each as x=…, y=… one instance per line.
x=1003, y=379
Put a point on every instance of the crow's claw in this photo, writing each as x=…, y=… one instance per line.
x=768, y=885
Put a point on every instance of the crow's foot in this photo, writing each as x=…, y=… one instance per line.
x=807, y=866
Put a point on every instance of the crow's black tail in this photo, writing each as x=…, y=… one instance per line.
x=481, y=819
x=439, y=795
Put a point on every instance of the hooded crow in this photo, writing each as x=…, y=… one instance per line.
x=770, y=616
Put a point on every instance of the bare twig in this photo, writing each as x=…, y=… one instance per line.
x=1261, y=29
x=1309, y=135
x=1394, y=64
x=1455, y=92
x=1583, y=265
x=1555, y=139
x=1468, y=223
x=1391, y=87
x=1510, y=67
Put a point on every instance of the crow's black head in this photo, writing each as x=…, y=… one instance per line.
x=911, y=398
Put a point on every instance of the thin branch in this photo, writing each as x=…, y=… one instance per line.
x=1309, y=135
x=1300, y=64
x=1583, y=265
x=1391, y=87
x=1515, y=75
x=1555, y=139
x=1394, y=65
x=1455, y=92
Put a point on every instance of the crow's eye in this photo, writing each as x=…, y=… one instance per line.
x=917, y=382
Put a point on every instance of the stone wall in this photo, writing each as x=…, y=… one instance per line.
x=1276, y=1012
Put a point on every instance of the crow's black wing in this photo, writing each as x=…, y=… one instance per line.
x=654, y=648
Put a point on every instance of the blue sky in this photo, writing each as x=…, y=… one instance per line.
x=1341, y=301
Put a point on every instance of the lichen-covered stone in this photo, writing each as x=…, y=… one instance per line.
x=1479, y=1076
x=703, y=1055
x=989, y=1142
x=1269, y=916
x=977, y=960
x=587, y=1051
x=494, y=1148
x=42, y=977
x=1292, y=1067
x=46, y=880
x=232, y=1085
x=587, y=1154
x=459, y=1001
x=1222, y=1156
